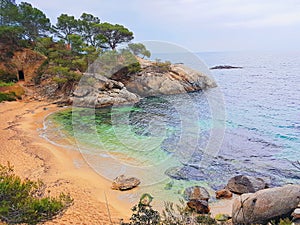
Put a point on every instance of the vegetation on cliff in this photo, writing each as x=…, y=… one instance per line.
x=70, y=45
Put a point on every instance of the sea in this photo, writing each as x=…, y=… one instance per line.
x=248, y=125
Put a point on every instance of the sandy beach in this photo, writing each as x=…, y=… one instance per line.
x=35, y=158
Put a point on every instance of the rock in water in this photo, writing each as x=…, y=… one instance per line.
x=123, y=183
x=224, y=193
x=200, y=206
x=245, y=184
x=265, y=205
x=196, y=193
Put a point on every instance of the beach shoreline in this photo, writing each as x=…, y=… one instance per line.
x=36, y=158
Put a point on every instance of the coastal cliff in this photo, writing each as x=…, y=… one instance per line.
x=153, y=79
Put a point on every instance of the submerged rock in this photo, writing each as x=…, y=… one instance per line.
x=123, y=183
x=265, y=205
x=245, y=184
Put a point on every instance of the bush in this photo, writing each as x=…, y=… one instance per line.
x=7, y=97
x=6, y=84
x=22, y=201
x=181, y=215
x=162, y=67
x=143, y=214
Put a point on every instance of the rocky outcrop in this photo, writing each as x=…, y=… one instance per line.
x=26, y=62
x=265, y=205
x=225, y=67
x=245, y=184
x=123, y=183
x=164, y=79
x=95, y=90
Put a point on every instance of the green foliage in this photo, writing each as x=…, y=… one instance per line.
x=20, y=201
x=7, y=76
x=181, y=215
x=8, y=13
x=66, y=25
x=162, y=67
x=88, y=27
x=172, y=214
x=282, y=221
x=143, y=214
x=139, y=49
x=6, y=84
x=113, y=34
x=34, y=22
x=7, y=97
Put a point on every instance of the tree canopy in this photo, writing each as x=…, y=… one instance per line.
x=114, y=35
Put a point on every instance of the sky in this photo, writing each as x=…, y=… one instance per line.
x=197, y=25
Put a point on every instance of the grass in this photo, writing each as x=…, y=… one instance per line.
x=6, y=84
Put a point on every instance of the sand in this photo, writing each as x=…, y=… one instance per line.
x=35, y=158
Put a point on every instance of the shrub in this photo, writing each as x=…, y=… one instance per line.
x=7, y=97
x=162, y=67
x=143, y=214
x=181, y=215
x=6, y=84
x=23, y=201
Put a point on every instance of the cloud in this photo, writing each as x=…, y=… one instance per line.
x=196, y=24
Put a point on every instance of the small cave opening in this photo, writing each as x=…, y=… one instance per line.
x=21, y=75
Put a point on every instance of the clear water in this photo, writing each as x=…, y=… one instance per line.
x=163, y=140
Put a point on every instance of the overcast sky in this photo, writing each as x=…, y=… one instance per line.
x=198, y=25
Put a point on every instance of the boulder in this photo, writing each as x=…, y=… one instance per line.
x=196, y=193
x=95, y=90
x=245, y=184
x=155, y=80
x=123, y=183
x=265, y=205
x=200, y=206
x=224, y=193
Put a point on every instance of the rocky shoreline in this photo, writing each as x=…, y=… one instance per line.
x=96, y=90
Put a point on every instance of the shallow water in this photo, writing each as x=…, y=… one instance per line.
x=165, y=140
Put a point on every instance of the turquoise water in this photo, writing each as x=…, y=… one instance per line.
x=172, y=142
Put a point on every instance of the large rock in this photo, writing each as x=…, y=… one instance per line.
x=224, y=193
x=200, y=206
x=245, y=184
x=97, y=91
x=196, y=193
x=155, y=80
x=265, y=205
x=123, y=183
